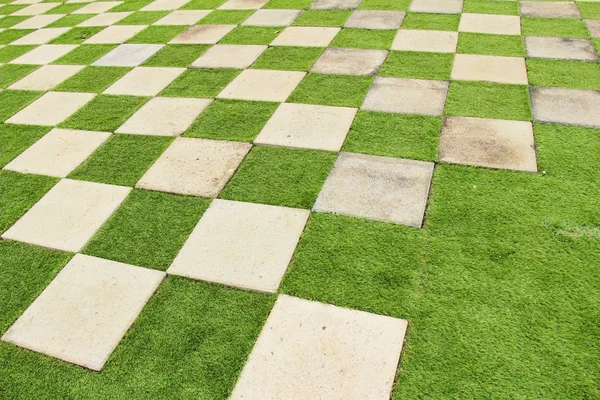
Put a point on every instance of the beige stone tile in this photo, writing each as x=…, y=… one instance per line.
x=350, y=61
x=203, y=34
x=58, y=153
x=424, y=40
x=489, y=23
x=593, y=26
x=566, y=106
x=310, y=350
x=406, y=96
x=183, y=17
x=471, y=67
x=198, y=167
x=546, y=9
x=491, y=143
x=334, y=4
x=164, y=116
x=128, y=55
x=262, y=85
x=38, y=21
x=144, y=81
x=51, y=109
x=373, y=19
x=229, y=56
x=305, y=36
x=242, y=4
x=437, y=6
x=85, y=311
x=379, y=188
x=165, y=5
x=241, y=244
x=40, y=36
x=272, y=18
x=105, y=19
x=35, y=9
x=560, y=48
x=44, y=54
x=68, y=215
x=307, y=126
x=115, y=34
x=46, y=77
x=97, y=7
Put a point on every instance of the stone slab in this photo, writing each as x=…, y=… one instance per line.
x=40, y=36
x=44, y=54
x=38, y=21
x=51, y=109
x=272, y=18
x=437, y=6
x=350, y=61
x=566, y=106
x=203, y=34
x=560, y=48
x=128, y=55
x=489, y=23
x=229, y=56
x=144, y=81
x=471, y=67
x=262, y=85
x=425, y=40
x=593, y=26
x=165, y=5
x=374, y=19
x=183, y=17
x=305, y=36
x=46, y=77
x=115, y=34
x=242, y=5
x=105, y=19
x=335, y=4
x=35, y=9
x=546, y=9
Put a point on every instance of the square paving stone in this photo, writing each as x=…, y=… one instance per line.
x=334, y=4
x=44, y=54
x=164, y=116
x=40, y=36
x=406, y=96
x=489, y=23
x=272, y=18
x=97, y=7
x=58, y=153
x=262, y=85
x=128, y=55
x=492, y=143
x=471, y=67
x=566, y=106
x=305, y=36
x=560, y=48
x=164, y=5
x=105, y=19
x=380, y=188
x=311, y=350
x=35, y=9
x=68, y=215
x=239, y=244
x=38, y=21
x=85, y=311
x=115, y=34
x=145, y=81
x=198, y=167
x=307, y=126
x=437, y=6
x=229, y=56
x=46, y=77
x=203, y=34
x=543, y=9
x=243, y=4
x=183, y=17
x=51, y=109
x=425, y=40
x=593, y=26
x=373, y=19
x=350, y=61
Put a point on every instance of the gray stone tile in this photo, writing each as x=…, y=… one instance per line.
x=374, y=19
x=472, y=67
x=490, y=23
x=262, y=85
x=560, y=48
x=144, y=81
x=272, y=18
x=128, y=55
x=546, y=9
x=593, y=26
x=203, y=34
x=425, y=40
x=566, y=106
x=350, y=61
x=437, y=6
x=305, y=36
x=238, y=56
x=51, y=109
x=334, y=4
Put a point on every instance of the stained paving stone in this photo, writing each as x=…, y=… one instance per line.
x=115, y=34
x=307, y=126
x=38, y=21
x=311, y=350
x=436, y=6
x=51, y=109
x=203, y=34
x=68, y=215
x=128, y=55
x=543, y=9
x=85, y=311
x=46, y=77
x=425, y=40
x=566, y=106
x=471, y=67
x=374, y=19
x=165, y=5
x=334, y=4
x=406, y=96
x=164, y=116
x=35, y=9
x=144, y=81
x=305, y=36
x=491, y=143
x=44, y=54
x=489, y=23
x=198, y=167
x=379, y=188
x=242, y=5
x=272, y=18
x=183, y=17
x=229, y=56
x=241, y=244
x=105, y=19
x=97, y=7
x=593, y=26
x=58, y=153
x=560, y=48
x=350, y=61
x=262, y=85
x=40, y=36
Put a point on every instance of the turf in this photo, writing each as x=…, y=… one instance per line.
x=408, y=64
x=14, y=100
x=17, y=138
x=10, y=73
x=288, y=58
x=390, y=5
x=491, y=7
x=427, y=21
x=92, y=79
x=202, y=4
x=225, y=17
x=70, y=20
x=10, y=35
x=288, y=4
x=131, y=5
x=589, y=10
x=85, y=54
x=200, y=83
x=486, y=44
x=11, y=20
x=104, y=113
x=142, y=18
x=176, y=55
x=9, y=53
x=66, y=9
x=555, y=27
x=332, y=90
x=157, y=34
x=77, y=35
x=562, y=73
x=364, y=39
x=322, y=18
x=251, y=35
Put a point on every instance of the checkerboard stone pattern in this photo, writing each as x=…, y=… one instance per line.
x=216, y=79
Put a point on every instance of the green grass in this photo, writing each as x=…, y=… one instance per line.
x=157, y=34
x=288, y=58
x=596, y=43
x=14, y=100
x=92, y=79
x=85, y=54
x=322, y=18
x=491, y=7
x=131, y=5
x=17, y=138
x=232, y=120
x=11, y=20
x=66, y=9
x=9, y=53
x=555, y=27
x=77, y=35
x=200, y=83
x=176, y=55
x=406, y=136
x=488, y=100
x=10, y=35
x=226, y=17
x=410, y=64
x=10, y=73
x=562, y=73
x=251, y=35
x=202, y=4
x=104, y=113
x=496, y=45
x=288, y=4
x=148, y=229
x=391, y=5
x=332, y=90
x=142, y=18
x=11, y=8
x=280, y=176
x=589, y=10
x=70, y=20
x=364, y=39
x=427, y=21
x=122, y=159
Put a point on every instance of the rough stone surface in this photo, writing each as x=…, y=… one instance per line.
x=128, y=55
x=380, y=188
x=349, y=61
x=437, y=6
x=97, y=7
x=593, y=26
x=272, y=17
x=58, y=153
x=203, y=34
x=115, y=34
x=406, y=96
x=198, y=167
x=373, y=19
x=560, y=48
x=85, y=311
x=144, y=81
x=44, y=54
x=489, y=23
x=183, y=17
x=164, y=5
x=305, y=36
x=334, y=4
x=566, y=106
x=544, y=9
x=471, y=67
x=105, y=19
x=46, y=77
x=241, y=244
x=307, y=126
x=263, y=85
x=68, y=215
x=229, y=56
x=51, y=109
x=310, y=350
x=242, y=4
x=425, y=40
x=40, y=36
x=492, y=143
